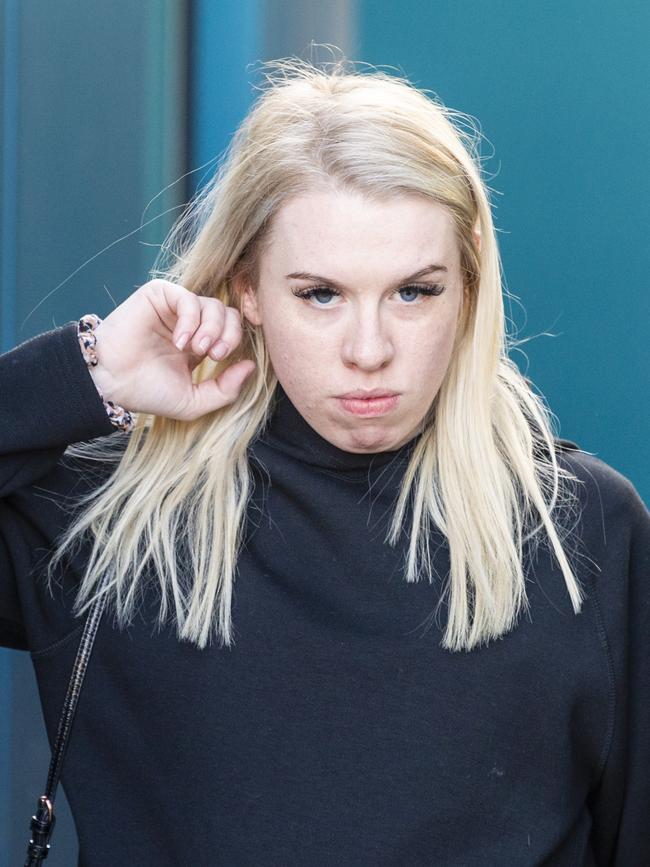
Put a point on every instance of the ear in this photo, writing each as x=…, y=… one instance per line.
x=248, y=303
x=477, y=237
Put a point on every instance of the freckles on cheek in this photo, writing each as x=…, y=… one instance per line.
x=431, y=343
x=293, y=356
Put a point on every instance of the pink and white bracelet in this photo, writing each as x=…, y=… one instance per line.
x=119, y=416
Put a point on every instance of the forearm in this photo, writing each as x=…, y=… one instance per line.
x=49, y=399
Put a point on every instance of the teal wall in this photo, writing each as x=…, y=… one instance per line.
x=220, y=91
x=229, y=41
x=561, y=91
x=94, y=108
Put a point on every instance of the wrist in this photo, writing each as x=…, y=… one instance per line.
x=87, y=331
x=103, y=382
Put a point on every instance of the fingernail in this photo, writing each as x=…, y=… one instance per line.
x=220, y=349
x=182, y=340
x=203, y=345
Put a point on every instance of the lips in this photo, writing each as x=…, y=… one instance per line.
x=363, y=394
x=374, y=402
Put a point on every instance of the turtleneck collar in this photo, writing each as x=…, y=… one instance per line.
x=287, y=431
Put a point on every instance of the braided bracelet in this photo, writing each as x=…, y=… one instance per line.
x=119, y=416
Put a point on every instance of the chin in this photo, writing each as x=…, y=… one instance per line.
x=369, y=439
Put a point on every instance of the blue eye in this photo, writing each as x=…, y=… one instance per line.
x=421, y=289
x=324, y=294
x=320, y=293
x=411, y=290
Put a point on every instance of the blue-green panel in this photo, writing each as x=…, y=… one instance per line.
x=9, y=39
x=92, y=147
x=561, y=90
x=226, y=45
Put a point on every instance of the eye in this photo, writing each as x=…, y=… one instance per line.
x=324, y=294
x=416, y=289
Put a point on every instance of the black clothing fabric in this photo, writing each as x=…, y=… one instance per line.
x=337, y=730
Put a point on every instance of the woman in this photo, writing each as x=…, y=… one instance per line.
x=304, y=437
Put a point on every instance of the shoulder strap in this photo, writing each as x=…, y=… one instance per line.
x=42, y=823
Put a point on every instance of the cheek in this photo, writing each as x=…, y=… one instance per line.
x=428, y=343
x=296, y=353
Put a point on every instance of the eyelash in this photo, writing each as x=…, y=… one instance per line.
x=426, y=289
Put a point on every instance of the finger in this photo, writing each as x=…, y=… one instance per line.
x=211, y=326
x=212, y=394
x=187, y=308
x=231, y=334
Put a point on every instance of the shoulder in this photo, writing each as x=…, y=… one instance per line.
x=596, y=475
x=609, y=500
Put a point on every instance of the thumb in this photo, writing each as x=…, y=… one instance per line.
x=212, y=394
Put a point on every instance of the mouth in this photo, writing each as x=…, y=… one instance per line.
x=366, y=394
x=369, y=403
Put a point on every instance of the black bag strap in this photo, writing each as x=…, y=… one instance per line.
x=42, y=823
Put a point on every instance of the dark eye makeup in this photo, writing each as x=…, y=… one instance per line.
x=426, y=289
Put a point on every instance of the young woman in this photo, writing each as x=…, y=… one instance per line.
x=366, y=608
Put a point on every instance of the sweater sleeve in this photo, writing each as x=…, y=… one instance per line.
x=633, y=843
x=48, y=401
x=621, y=803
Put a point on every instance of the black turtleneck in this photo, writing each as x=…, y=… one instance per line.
x=291, y=434
x=336, y=730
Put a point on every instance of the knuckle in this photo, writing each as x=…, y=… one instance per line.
x=156, y=285
x=215, y=309
x=150, y=290
x=190, y=307
x=234, y=319
x=234, y=328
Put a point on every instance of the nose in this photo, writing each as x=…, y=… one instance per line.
x=366, y=343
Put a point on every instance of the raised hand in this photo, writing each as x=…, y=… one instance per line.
x=149, y=345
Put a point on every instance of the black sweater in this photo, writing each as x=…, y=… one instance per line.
x=336, y=731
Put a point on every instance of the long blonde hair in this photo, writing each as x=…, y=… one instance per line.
x=485, y=471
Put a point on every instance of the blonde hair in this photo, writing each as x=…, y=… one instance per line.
x=485, y=470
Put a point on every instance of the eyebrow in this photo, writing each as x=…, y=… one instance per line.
x=304, y=275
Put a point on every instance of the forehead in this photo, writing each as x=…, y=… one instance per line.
x=326, y=230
